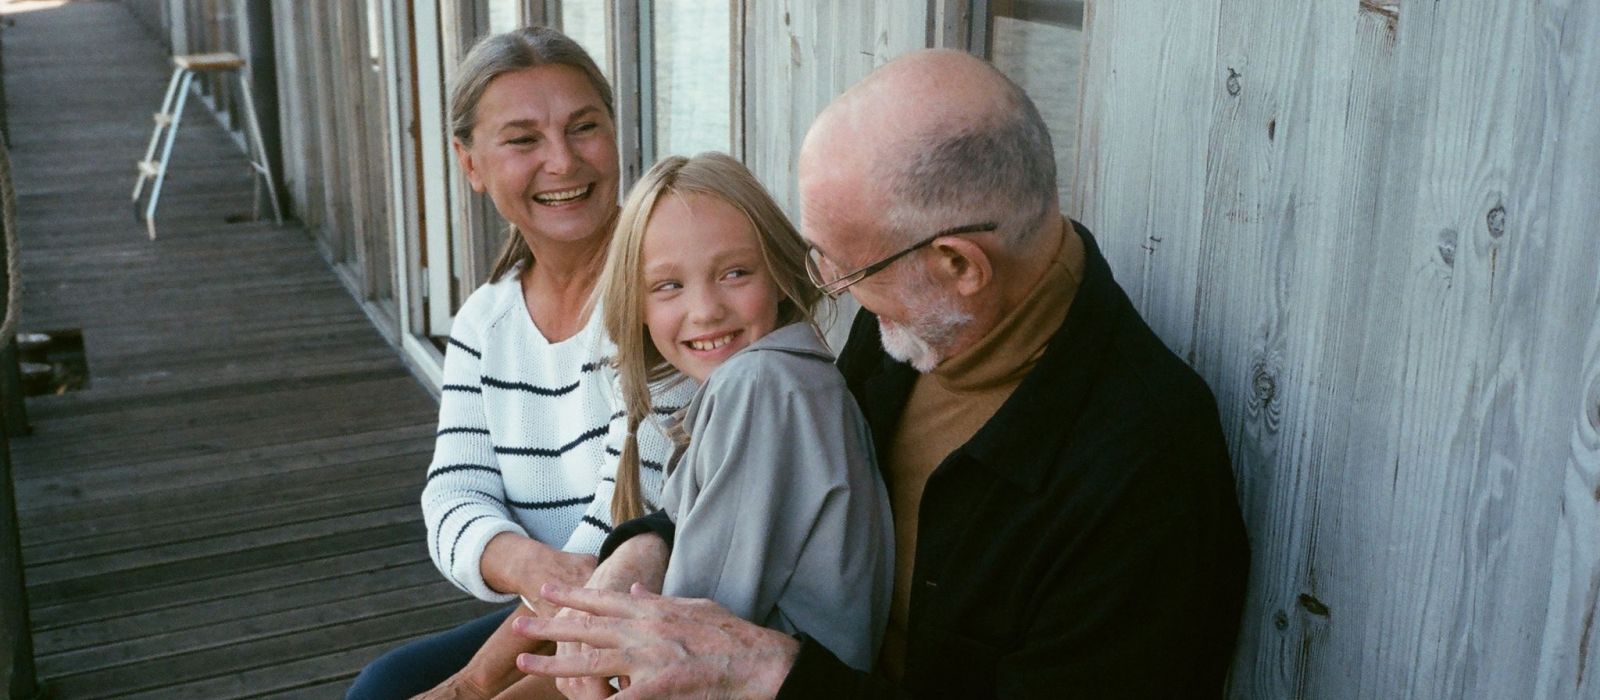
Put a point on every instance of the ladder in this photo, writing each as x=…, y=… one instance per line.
x=154, y=171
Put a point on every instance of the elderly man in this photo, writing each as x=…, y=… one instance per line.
x=1064, y=508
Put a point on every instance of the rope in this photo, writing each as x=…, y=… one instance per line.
x=8, y=219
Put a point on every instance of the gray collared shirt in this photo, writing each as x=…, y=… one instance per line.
x=781, y=514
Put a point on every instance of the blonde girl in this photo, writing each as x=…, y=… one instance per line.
x=779, y=510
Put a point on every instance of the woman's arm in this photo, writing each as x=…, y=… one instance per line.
x=464, y=501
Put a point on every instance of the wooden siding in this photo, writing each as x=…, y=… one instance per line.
x=1371, y=227
x=336, y=143
x=798, y=56
x=230, y=508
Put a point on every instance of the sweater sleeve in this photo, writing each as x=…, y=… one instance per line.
x=655, y=449
x=463, y=502
x=781, y=515
x=596, y=525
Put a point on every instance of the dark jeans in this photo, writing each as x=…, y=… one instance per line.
x=424, y=663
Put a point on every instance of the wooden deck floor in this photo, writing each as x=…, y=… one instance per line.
x=230, y=509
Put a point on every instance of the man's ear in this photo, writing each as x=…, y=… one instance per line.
x=963, y=263
x=464, y=157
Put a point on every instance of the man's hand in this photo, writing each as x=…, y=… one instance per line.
x=643, y=560
x=666, y=647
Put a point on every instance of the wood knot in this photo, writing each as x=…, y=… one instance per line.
x=1264, y=391
x=1314, y=606
x=1280, y=620
x=1447, y=246
x=1497, y=221
x=1593, y=405
x=1233, y=82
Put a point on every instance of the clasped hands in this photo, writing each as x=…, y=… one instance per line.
x=619, y=627
x=662, y=646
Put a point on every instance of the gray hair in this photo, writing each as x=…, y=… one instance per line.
x=999, y=167
x=529, y=47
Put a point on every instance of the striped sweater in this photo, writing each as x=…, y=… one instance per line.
x=528, y=438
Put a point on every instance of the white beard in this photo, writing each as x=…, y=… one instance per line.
x=905, y=346
x=932, y=325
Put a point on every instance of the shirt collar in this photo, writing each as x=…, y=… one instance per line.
x=1020, y=442
x=798, y=338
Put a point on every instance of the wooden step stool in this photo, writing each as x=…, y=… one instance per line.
x=166, y=132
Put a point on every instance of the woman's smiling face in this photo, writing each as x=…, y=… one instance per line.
x=545, y=151
x=708, y=293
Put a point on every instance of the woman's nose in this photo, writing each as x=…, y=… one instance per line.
x=559, y=158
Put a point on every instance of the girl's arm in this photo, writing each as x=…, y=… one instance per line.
x=781, y=514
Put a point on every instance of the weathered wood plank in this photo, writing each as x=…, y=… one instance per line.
x=120, y=488
x=43, y=592
x=266, y=663
x=191, y=629
x=1385, y=269
x=293, y=581
x=230, y=507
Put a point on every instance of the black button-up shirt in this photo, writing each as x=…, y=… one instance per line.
x=1086, y=541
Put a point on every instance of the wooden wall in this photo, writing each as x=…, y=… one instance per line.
x=798, y=55
x=1372, y=227
x=335, y=143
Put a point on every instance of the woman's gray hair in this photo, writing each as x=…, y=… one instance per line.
x=529, y=47
x=496, y=55
x=1000, y=168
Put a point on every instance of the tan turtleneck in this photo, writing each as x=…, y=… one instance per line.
x=948, y=405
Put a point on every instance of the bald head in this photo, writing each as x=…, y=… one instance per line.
x=934, y=138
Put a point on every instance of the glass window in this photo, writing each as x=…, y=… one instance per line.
x=585, y=21
x=693, y=71
x=504, y=15
x=1039, y=44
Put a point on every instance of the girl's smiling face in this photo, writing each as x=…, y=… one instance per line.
x=708, y=293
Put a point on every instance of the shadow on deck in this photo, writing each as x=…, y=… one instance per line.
x=230, y=508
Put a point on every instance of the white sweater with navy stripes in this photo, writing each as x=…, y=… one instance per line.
x=528, y=437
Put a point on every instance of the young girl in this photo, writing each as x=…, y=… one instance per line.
x=781, y=514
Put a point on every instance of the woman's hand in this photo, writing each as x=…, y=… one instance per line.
x=493, y=668
x=454, y=688
x=513, y=563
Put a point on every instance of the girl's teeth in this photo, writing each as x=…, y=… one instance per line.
x=713, y=344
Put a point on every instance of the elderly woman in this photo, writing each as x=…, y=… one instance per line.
x=520, y=487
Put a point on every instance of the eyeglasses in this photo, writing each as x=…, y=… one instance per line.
x=834, y=288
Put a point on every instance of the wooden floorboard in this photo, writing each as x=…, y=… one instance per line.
x=229, y=509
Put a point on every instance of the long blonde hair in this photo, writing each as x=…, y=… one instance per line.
x=621, y=287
